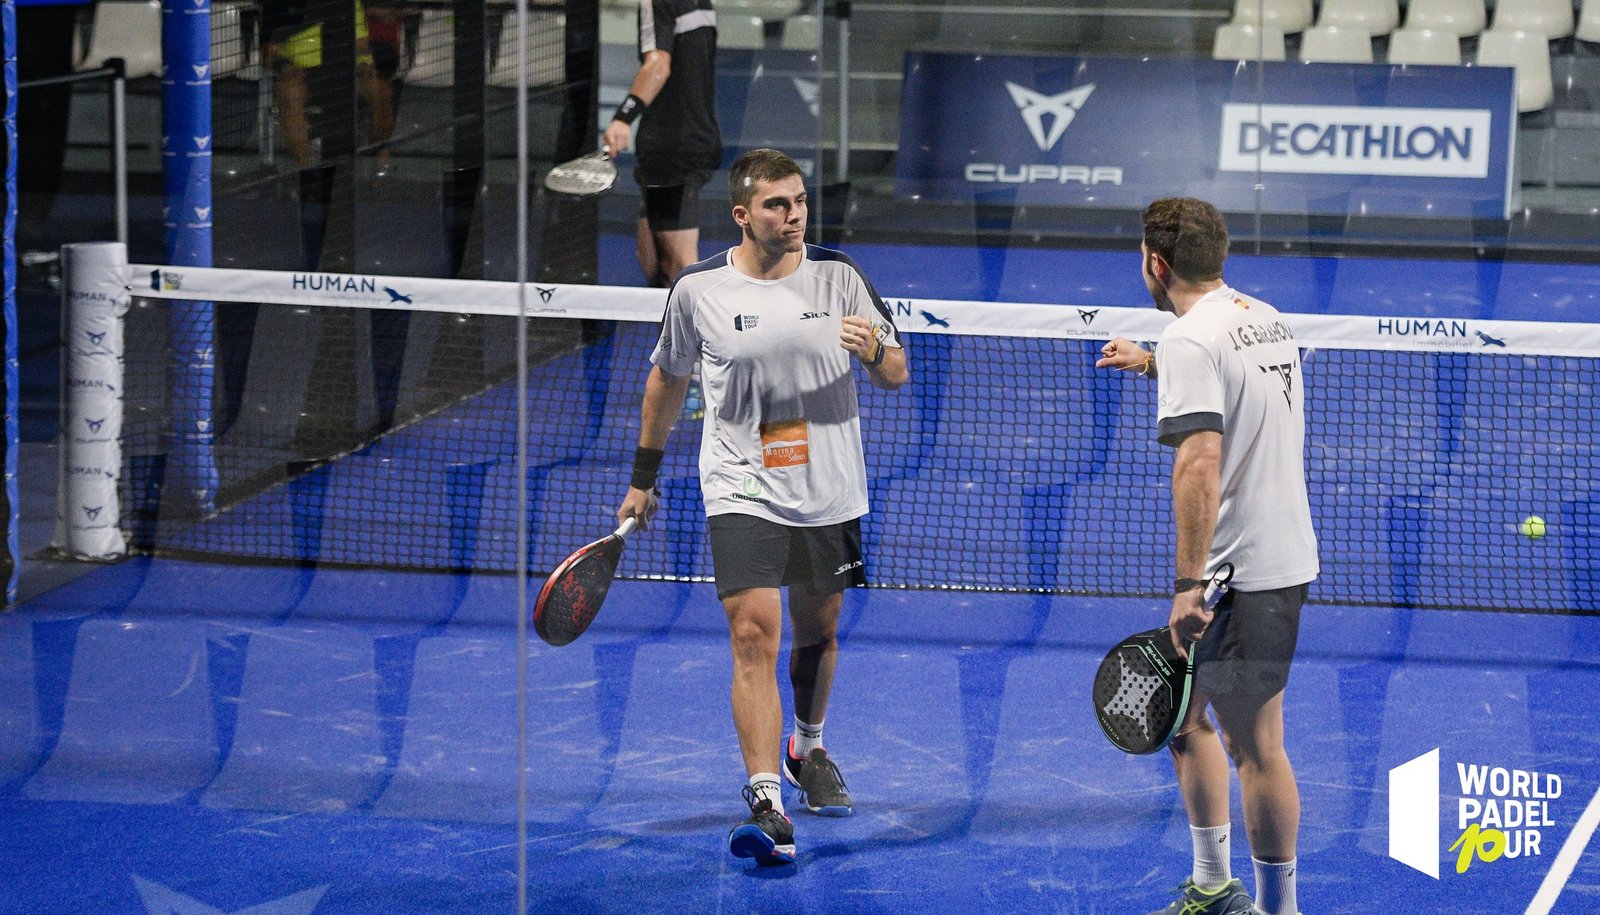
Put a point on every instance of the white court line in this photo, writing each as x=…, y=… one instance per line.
x=1566, y=859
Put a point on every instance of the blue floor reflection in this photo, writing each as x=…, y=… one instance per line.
x=180, y=737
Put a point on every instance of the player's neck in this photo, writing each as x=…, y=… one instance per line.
x=758, y=263
x=1185, y=295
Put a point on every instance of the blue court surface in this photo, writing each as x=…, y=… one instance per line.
x=181, y=737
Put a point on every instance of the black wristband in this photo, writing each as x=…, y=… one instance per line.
x=646, y=462
x=629, y=110
x=878, y=359
x=1187, y=584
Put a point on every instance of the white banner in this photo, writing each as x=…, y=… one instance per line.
x=94, y=300
x=928, y=316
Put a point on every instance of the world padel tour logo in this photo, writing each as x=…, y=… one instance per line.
x=1501, y=814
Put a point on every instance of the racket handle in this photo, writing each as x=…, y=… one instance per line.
x=1217, y=586
x=627, y=527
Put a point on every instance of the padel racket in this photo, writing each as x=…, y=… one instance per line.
x=1141, y=691
x=584, y=176
x=572, y=595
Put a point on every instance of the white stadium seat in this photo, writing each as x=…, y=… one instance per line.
x=1291, y=16
x=1243, y=41
x=129, y=29
x=1461, y=17
x=1378, y=17
x=1336, y=45
x=1552, y=18
x=1589, y=21
x=1424, y=46
x=1529, y=53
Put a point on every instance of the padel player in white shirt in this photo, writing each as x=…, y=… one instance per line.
x=776, y=328
x=1232, y=408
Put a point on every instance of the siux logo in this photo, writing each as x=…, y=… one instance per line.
x=1036, y=106
x=813, y=314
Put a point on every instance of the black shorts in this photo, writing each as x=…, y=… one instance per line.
x=1250, y=643
x=673, y=207
x=750, y=552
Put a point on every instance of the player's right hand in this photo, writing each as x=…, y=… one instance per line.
x=640, y=505
x=1122, y=353
x=617, y=137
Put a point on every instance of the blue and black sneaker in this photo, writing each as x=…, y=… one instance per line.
x=766, y=836
x=821, y=786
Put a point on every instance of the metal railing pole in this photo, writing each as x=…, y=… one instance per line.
x=842, y=160
x=119, y=147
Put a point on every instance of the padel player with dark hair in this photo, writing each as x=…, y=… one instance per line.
x=1232, y=408
x=673, y=97
x=775, y=326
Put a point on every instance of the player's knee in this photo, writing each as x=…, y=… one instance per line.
x=752, y=642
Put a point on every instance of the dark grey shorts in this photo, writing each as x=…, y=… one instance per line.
x=673, y=207
x=1250, y=644
x=751, y=552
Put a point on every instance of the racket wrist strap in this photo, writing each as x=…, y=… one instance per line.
x=1187, y=584
x=629, y=110
x=646, y=464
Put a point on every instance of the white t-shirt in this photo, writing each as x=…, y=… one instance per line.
x=782, y=432
x=1231, y=365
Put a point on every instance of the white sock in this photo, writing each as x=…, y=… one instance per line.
x=1213, y=848
x=765, y=784
x=806, y=738
x=1275, y=888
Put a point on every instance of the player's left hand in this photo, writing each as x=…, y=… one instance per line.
x=856, y=335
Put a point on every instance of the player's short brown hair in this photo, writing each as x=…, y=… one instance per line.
x=758, y=165
x=1189, y=234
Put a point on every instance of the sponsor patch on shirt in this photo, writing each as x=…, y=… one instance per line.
x=785, y=443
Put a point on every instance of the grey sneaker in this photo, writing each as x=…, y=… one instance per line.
x=821, y=786
x=1231, y=899
x=766, y=835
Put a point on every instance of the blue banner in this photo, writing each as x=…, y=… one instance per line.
x=1340, y=139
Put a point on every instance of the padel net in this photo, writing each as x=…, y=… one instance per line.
x=371, y=421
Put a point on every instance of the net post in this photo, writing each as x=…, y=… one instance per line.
x=186, y=163
x=94, y=293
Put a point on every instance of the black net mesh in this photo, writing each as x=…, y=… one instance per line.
x=385, y=439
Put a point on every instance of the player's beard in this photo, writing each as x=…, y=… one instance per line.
x=1157, y=290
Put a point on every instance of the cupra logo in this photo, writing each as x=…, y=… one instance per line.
x=1062, y=108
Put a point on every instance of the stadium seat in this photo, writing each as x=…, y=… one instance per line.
x=1424, y=46
x=1289, y=15
x=801, y=33
x=129, y=29
x=1377, y=17
x=1462, y=17
x=1551, y=18
x=1529, y=54
x=435, y=60
x=1242, y=41
x=1332, y=44
x=740, y=31
x=1589, y=21
x=546, y=43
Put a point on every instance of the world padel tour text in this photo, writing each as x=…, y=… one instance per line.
x=1500, y=812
